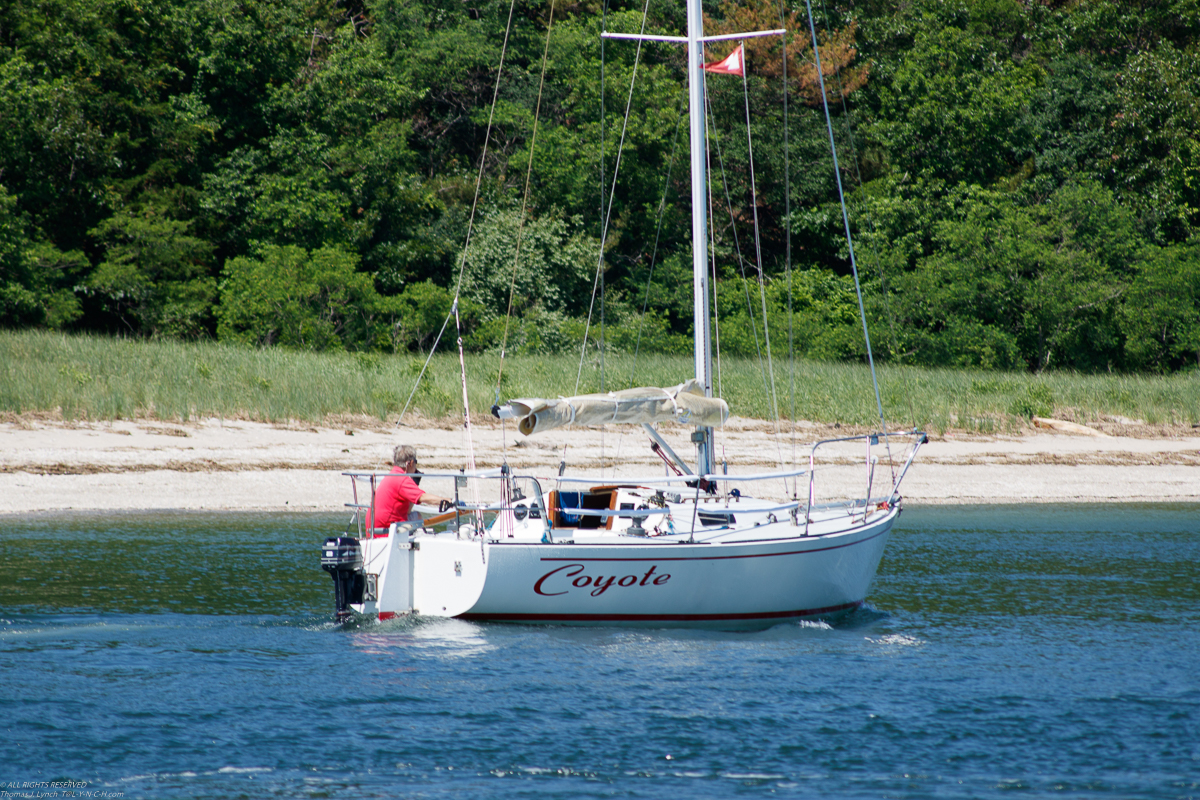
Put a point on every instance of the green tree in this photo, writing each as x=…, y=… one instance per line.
x=555, y=271
x=1159, y=131
x=1161, y=312
x=421, y=311
x=310, y=300
x=32, y=275
x=954, y=108
x=824, y=320
x=85, y=118
x=336, y=170
x=1009, y=284
x=1111, y=31
x=154, y=276
x=1069, y=119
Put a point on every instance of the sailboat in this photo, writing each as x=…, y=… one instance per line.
x=697, y=546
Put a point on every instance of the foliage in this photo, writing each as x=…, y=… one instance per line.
x=1023, y=178
x=1161, y=315
x=425, y=310
x=153, y=276
x=304, y=300
x=1011, y=284
x=1158, y=135
x=1069, y=124
x=32, y=275
x=954, y=108
x=821, y=321
x=764, y=54
x=1036, y=401
x=512, y=268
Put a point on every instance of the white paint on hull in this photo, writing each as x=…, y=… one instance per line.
x=647, y=582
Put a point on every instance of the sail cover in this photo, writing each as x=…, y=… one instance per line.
x=685, y=404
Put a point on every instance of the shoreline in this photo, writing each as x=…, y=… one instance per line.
x=49, y=466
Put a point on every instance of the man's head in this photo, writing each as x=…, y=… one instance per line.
x=405, y=456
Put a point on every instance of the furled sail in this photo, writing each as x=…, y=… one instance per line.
x=685, y=404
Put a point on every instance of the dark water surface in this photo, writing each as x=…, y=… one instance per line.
x=1017, y=651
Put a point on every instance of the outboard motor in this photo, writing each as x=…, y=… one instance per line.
x=341, y=557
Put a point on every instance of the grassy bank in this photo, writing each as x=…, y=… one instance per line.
x=102, y=378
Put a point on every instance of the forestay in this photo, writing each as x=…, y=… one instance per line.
x=685, y=404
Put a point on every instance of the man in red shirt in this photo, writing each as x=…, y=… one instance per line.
x=397, y=493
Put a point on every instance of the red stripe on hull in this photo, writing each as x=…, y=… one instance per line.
x=811, y=612
x=723, y=558
x=386, y=615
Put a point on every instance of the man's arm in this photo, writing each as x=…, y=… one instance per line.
x=443, y=503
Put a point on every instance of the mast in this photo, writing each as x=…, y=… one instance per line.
x=695, y=39
x=701, y=324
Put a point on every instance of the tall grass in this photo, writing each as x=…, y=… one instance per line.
x=93, y=377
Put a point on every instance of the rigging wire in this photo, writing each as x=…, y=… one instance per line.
x=600, y=221
x=712, y=248
x=432, y=350
x=470, y=442
x=883, y=290
x=662, y=206
x=737, y=245
x=612, y=194
x=512, y=285
x=487, y=137
x=467, y=419
x=762, y=288
x=767, y=382
x=837, y=75
x=600, y=194
x=846, y=221
x=520, y=236
x=787, y=223
x=716, y=316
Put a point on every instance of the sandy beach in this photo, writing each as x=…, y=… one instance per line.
x=50, y=465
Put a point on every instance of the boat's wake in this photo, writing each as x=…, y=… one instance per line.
x=862, y=617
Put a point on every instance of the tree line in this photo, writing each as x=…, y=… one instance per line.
x=1022, y=176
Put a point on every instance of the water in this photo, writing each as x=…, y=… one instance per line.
x=1027, y=651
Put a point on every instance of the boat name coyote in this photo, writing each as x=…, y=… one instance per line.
x=599, y=584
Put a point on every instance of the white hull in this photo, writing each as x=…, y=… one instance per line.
x=749, y=578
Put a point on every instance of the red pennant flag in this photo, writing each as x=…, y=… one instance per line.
x=732, y=64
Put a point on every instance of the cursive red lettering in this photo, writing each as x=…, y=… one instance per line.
x=537, y=587
x=601, y=588
x=598, y=584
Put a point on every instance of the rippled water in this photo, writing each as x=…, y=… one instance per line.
x=1041, y=650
